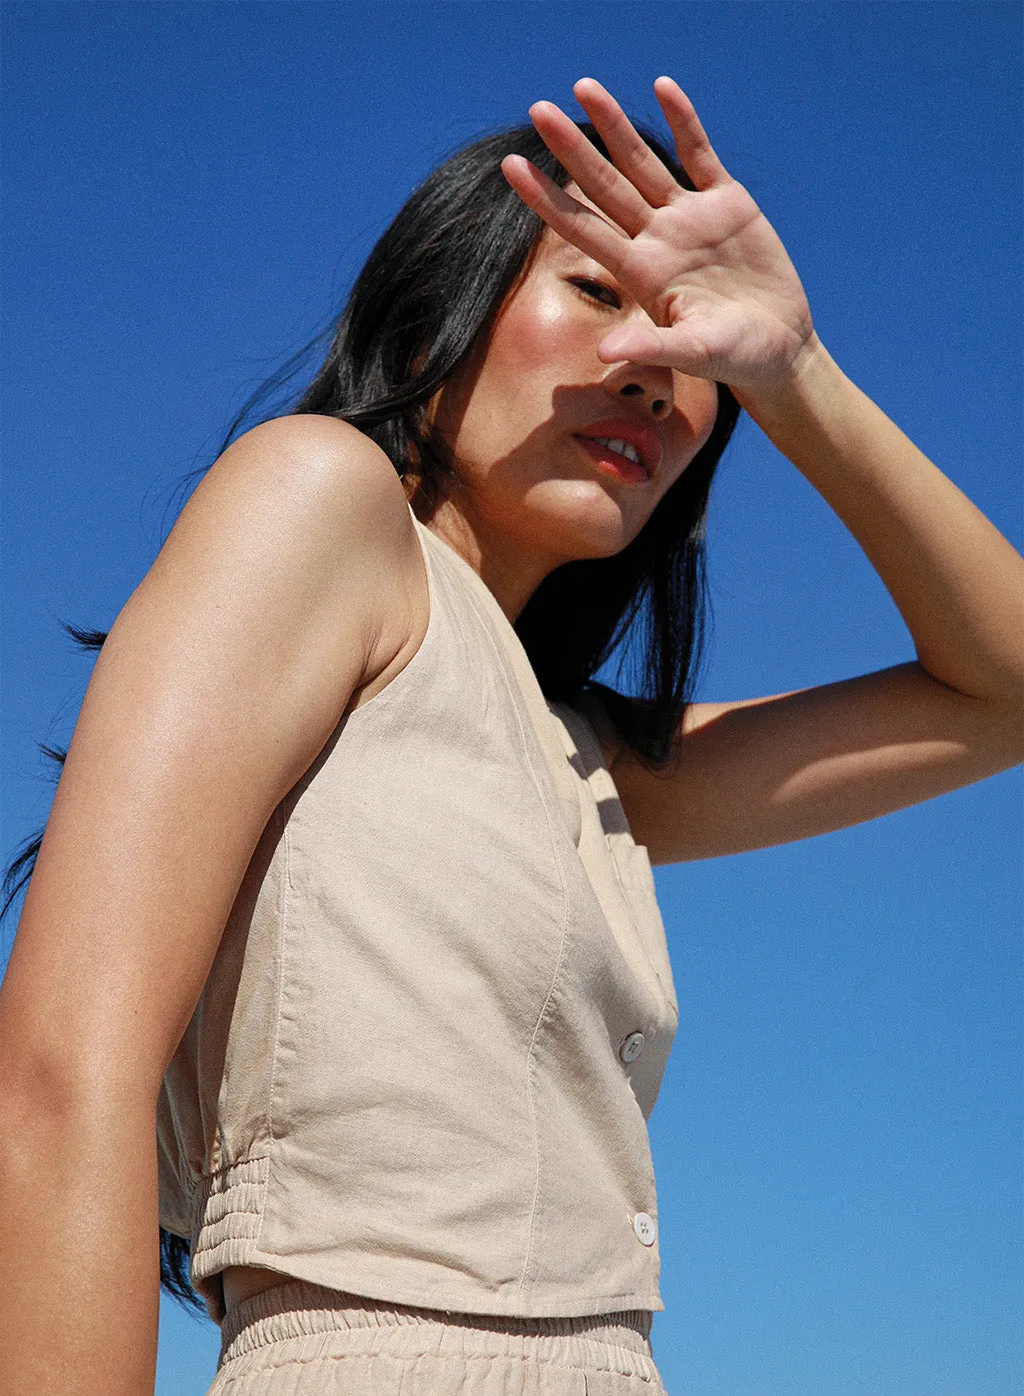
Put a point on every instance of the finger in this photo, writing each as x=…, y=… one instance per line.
x=692, y=145
x=657, y=348
x=581, y=226
x=629, y=345
x=630, y=152
x=591, y=172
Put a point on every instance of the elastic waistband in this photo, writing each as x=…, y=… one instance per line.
x=298, y=1309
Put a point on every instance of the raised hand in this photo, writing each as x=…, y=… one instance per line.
x=707, y=266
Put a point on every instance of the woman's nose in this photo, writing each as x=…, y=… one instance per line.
x=659, y=397
x=652, y=383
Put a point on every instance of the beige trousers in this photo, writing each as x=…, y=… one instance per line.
x=301, y=1339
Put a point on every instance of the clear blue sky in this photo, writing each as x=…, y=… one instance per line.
x=189, y=188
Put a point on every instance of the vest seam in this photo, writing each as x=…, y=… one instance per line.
x=282, y=920
x=579, y=724
x=515, y=690
x=634, y=921
x=621, y=849
x=531, y=1077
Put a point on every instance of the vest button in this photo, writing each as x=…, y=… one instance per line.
x=646, y=1228
x=632, y=1046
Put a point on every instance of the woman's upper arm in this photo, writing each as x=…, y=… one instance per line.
x=287, y=581
x=772, y=770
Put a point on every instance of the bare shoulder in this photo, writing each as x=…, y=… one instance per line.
x=327, y=467
x=330, y=511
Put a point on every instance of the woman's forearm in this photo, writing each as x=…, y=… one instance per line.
x=79, y=1250
x=957, y=582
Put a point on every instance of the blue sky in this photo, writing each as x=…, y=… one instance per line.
x=189, y=189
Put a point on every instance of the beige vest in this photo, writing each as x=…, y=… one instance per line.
x=422, y=1063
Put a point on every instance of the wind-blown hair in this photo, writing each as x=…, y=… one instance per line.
x=430, y=288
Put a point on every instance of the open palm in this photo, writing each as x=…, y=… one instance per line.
x=707, y=266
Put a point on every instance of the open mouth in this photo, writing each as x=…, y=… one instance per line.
x=622, y=448
x=621, y=458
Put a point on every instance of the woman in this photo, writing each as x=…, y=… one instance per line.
x=414, y=1001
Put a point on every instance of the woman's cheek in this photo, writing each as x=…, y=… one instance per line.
x=540, y=338
x=696, y=404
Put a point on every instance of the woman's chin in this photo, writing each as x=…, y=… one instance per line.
x=580, y=528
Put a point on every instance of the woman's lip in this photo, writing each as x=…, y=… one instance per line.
x=644, y=437
x=620, y=466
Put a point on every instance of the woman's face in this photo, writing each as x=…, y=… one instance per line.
x=523, y=416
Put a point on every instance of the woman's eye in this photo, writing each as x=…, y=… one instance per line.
x=594, y=290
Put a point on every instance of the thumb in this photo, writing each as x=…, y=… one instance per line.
x=637, y=345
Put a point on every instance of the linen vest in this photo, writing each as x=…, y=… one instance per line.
x=421, y=1066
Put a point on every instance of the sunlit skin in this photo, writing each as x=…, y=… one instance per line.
x=534, y=496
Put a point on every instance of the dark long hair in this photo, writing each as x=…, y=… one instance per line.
x=430, y=288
